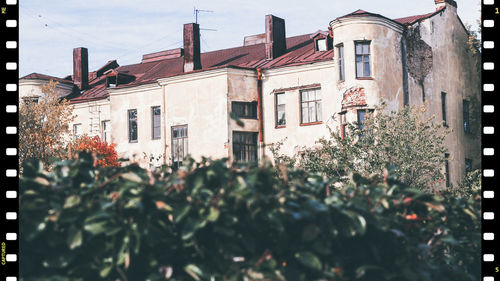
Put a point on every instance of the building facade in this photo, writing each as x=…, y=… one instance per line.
x=179, y=101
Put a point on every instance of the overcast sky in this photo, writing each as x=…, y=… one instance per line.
x=125, y=30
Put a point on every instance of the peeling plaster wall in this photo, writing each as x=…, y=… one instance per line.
x=242, y=86
x=454, y=72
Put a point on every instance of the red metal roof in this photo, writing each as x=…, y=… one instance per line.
x=413, y=19
x=38, y=76
x=300, y=50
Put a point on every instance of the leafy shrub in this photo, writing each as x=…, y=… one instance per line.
x=207, y=221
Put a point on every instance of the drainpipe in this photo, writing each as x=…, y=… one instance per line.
x=164, y=125
x=259, y=110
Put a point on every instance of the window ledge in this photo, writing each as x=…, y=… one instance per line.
x=280, y=127
x=364, y=78
x=311, y=123
x=133, y=141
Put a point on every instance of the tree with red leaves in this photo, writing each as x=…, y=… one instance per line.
x=104, y=153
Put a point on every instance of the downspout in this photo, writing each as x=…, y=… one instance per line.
x=165, y=125
x=259, y=109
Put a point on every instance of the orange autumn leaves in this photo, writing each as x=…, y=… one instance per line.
x=104, y=154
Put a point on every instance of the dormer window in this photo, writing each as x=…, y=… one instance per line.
x=321, y=45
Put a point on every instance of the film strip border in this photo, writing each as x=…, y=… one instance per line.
x=9, y=205
x=490, y=76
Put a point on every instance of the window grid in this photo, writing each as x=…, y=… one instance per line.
x=245, y=146
x=343, y=124
x=468, y=165
x=246, y=110
x=132, y=125
x=362, y=52
x=447, y=169
x=310, y=101
x=466, y=117
x=280, y=110
x=340, y=50
x=106, y=131
x=77, y=131
x=179, y=145
x=443, y=108
x=155, y=122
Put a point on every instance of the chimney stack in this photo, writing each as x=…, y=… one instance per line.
x=192, y=56
x=442, y=3
x=275, y=37
x=81, y=68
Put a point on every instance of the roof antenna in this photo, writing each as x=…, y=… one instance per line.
x=196, y=11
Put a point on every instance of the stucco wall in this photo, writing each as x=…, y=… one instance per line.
x=200, y=101
x=141, y=98
x=83, y=115
x=454, y=71
x=290, y=80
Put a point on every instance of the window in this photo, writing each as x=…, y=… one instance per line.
x=343, y=124
x=106, y=131
x=245, y=146
x=361, y=118
x=443, y=108
x=179, y=145
x=156, y=122
x=310, y=101
x=447, y=169
x=340, y=51
x=466, y=116
x=77, y=131
x=321, y=45
x=468, y=166
x=244, y=109
x=132, y=125
x=280, y=110
x=362, y=50
x=30, y=100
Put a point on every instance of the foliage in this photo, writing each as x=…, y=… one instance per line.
x=43, y=125
x=470, y=185
x=105, y=153
x=207, y=221
x=406, y=139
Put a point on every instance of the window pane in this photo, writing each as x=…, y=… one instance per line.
x=366, y=48
x=359, y=68
x=366, y=72
x=359, y=49
x=318, y=111
x=305, y=116
x=305, y=96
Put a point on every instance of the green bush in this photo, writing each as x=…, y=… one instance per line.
x=208, y=221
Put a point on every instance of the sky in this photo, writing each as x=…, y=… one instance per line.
x=125, y=30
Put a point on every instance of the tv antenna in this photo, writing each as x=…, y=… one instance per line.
x=197, y=11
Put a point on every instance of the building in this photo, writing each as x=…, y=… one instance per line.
x=179, y=101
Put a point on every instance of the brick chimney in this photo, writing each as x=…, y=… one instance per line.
x=81, y=68
x=443, y=3
x=192, y=57
x=275, y=37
